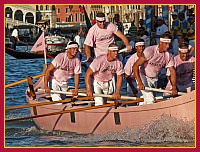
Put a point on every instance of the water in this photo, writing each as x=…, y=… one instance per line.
x=26, y=134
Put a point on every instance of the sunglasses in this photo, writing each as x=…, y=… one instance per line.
x=101, y=21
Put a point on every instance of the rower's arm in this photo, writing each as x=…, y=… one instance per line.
x=173, y=79
x=87, y=51
x=46, y=77
x=119, y=83
x=76, y=83
x=136, y=66
x=124, y=39
x=88, y=74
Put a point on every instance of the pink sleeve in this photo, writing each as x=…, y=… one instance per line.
x=113, y=27
x=128, y=67
x=95, y=65
x=57, y=60
x=90, y=38
x=120, y=69
x=170, y=62
x=148, y=53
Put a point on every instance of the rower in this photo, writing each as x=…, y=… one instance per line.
x=184, y=66
x=62, y=68
x=131, y=85
x=103, y=68
x=154, y=59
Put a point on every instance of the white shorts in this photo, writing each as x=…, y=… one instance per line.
x=58, y=86
x=149, y=96
x=103, y=88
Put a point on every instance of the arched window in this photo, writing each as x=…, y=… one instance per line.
x=18, y=15
x=8, y=12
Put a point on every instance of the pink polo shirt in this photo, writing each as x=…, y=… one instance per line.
x=155, y=61
x=65, y=67
x=128, y=69
x=100, y=39
x=184, y=70
x=104, y=70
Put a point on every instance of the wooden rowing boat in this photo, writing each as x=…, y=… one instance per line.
x=107, y=119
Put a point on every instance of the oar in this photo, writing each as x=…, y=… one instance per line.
x=21, y=81
x=45, y=103
x=122, y=50
x=84, y=94
x=68, y=111
x=161, y=90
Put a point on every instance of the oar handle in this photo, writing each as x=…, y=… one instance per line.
x=161, y=90
x=21, y=81
x=84, y=94
x=122, y=50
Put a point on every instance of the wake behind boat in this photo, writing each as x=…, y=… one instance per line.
x=83, y=118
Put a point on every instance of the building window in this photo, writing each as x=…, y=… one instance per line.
x=58, y=11
x=41, y=7
x=67, y=10
x=47, y=7
x=72, y=19
x=112, y=9
x=53, y=7
x=37, y=8
x=58, y=20
x=76, y=17
x=81, y=18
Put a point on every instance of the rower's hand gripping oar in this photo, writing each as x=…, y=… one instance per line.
x=161, y=90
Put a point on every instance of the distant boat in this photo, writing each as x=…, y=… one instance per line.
x=28, y=55
x=55, y=44
x=8, y=43
x=23, y=55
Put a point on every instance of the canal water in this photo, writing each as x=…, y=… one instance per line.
x=26, y=134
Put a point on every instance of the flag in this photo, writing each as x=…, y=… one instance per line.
x=40, y=46
x=87, y=19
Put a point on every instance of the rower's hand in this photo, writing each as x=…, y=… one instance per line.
x=47, y=89
x=75, y=92
x=116, y=96
x=129, y=47
x=89, y=93
x=141, y=86
x=174, y=91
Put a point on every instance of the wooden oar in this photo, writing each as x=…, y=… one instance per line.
x=123, y=50
x=161, y=90
x=84, y=94
x=68, y=111
x=45, y=103
x=21, y=81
